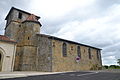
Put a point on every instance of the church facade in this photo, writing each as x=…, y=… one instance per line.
x=40, y=52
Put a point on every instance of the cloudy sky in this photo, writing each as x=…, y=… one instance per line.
x=92, y=22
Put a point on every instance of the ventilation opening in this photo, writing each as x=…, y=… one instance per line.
x=19, y=25
x=28, y=38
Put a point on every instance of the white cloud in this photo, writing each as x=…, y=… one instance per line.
x=110, y=60
x=102, y=32
x=93, y=22
x=57, y=8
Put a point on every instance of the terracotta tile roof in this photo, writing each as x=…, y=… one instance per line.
x=32, y=17
x=6, y=39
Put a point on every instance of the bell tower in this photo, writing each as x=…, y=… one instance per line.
x=14, y=21
x=22, y=27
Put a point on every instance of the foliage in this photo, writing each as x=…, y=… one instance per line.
x=105, y=66
x=118, y=61
x=111, y=67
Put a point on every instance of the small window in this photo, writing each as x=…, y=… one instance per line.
x=28, y=38
x=71, y=47
x=20, y=15
x=19, y=25
x=89, y=53
x=64, y=49
x=78, y=51
x=53, y=44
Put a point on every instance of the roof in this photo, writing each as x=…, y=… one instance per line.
x=32, y=17
x=60, y=39
x=13, y=8
x=6, y=39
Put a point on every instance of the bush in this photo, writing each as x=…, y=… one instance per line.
x=112, y=66
x=105, y=66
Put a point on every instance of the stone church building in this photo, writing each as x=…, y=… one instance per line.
x=40, y=52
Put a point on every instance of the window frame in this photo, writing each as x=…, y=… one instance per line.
x=78, y=51
x=64, y=49
x=89, y=53
x=98, y=54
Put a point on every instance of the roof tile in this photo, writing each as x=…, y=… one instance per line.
x=32, y=17
x=5, y=38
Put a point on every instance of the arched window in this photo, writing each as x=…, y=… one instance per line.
x=98, y=54
x=78, y=51
x=89, y=53
x=64, y=49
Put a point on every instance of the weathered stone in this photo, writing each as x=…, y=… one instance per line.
x=38, y=52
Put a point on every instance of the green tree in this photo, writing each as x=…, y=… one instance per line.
x=105, y=66
x=118, y=61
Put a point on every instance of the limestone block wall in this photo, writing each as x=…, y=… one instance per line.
x=26, y=54
x=15, y=14
x=13, y=22
x=7, y=51
x=29, y=58
x=34, y=55
x=44, y=54
x=12, y=30
x=18, y=58
x=60, y=63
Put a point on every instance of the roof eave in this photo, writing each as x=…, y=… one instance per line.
x=52, y=37
x=9, y=41
x=32, y=21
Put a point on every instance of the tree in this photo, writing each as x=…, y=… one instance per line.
x=118, y=61
x=112, y=66
x=105, y=66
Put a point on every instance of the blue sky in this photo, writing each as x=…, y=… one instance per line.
x=92, y=22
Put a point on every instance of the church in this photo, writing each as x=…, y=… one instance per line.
x=24, y=48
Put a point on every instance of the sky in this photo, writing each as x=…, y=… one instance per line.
x=91, y=22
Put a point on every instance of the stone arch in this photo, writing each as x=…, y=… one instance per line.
x=2, y=53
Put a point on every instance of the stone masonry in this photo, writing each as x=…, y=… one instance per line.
x=40, y=52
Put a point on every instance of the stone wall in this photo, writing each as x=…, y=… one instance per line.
x=37, y=56
x=60, y=63
x=44, y=54
x=11, y=30
x=7, y=51
x=26, y=55
x=13, y=22
x=29, y=58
